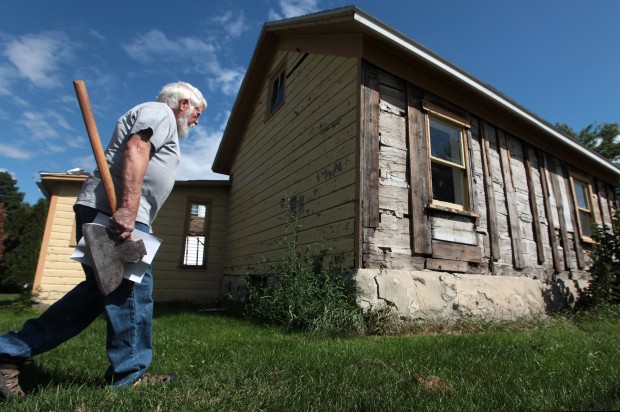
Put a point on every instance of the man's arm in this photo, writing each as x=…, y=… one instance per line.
x=135, y=161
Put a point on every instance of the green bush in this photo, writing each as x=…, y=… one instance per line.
x=304, y=291
x=604, y=287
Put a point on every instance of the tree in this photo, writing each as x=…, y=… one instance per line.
x=19, y=265
x=3, y=234
x=21, y=231
x=9, y=195
x=602, y=138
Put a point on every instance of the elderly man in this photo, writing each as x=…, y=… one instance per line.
x=143, y=156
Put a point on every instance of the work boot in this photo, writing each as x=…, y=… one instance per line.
x=9, y=387
x=148, y=379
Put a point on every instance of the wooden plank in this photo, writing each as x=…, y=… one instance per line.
x=456, y=251
x=511, y=202
x=540, y=252
x=446, y=265
x=489, y=191
x=369, y=135
x=419, y=169
x=553, y=240
x=551, y=170
x=602, y=203
x=454, y=228
x=573, y=215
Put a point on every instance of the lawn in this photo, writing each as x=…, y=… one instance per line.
x=229, y=364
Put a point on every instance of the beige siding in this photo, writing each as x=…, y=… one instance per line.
x=171, y=280
x=59, y=273
x=304, y=151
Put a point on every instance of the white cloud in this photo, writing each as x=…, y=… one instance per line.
x=191, y=52
x=155, y=45
x=234, y=25
x=197, y=154
x=97, y=35
x=14, y=152
x=294, y=8
x=45, y=125
x=37, y=57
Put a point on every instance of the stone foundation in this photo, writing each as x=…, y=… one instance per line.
x=442, y=295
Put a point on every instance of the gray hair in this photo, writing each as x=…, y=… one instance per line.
x=172, y=93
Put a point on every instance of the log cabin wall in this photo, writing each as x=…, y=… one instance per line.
x=522, y=218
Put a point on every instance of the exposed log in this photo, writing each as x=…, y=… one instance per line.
x=511, y=203
x=553, y=240
x=489, y=191
x=551, y=171
x=540, y=253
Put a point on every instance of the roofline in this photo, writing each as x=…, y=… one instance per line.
x=417, y=49
x=392, y=35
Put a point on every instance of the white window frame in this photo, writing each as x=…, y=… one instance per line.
x=444, y=117
x=195, y=245
x=585, y=182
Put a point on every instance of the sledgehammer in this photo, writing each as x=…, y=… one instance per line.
x=107, y=256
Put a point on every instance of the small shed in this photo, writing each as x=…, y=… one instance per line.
x=441, y=195
x=191, y=225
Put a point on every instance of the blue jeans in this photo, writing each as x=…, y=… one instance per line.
x=129, y=315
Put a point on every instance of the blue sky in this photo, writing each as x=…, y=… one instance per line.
x=558, y=58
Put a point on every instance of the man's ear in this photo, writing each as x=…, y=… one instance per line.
x=184, y=104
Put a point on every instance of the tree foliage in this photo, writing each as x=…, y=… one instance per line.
x=9, y=195
x=3, y=234
x=604, y=288
x=602, y=138
x=21, y=231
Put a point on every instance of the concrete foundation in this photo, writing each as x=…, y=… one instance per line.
x=441, y=295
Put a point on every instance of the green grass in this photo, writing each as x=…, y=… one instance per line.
x=228, y=364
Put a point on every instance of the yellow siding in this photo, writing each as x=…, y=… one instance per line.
x=171, y=281
x=307, y=151
x=59, y=273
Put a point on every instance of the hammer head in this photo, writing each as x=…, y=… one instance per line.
x=108, y=257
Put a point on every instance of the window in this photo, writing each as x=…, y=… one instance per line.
x=276, y=97
x=196, y=229
x=583, y=201
x=449, y=175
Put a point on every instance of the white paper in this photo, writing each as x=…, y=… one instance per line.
x=131, y=271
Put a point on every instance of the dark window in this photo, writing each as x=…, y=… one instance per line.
x=277, y=92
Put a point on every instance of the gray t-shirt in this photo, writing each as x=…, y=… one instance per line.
x=161, y=171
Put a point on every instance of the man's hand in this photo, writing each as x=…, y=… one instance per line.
x=122, y=223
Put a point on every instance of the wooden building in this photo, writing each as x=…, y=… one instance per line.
x=421, y=178
x=438, y=194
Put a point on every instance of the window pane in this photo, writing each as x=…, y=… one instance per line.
x=445, y=142
x=448, y=184
x=581, y=192
x=585, y=218
x=277, y=92
x=193, y=252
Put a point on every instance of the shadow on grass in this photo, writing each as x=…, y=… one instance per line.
x=33, y=377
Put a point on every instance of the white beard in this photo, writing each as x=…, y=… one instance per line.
x=183, y=126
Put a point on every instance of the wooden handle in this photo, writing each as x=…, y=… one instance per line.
x=95, y=141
